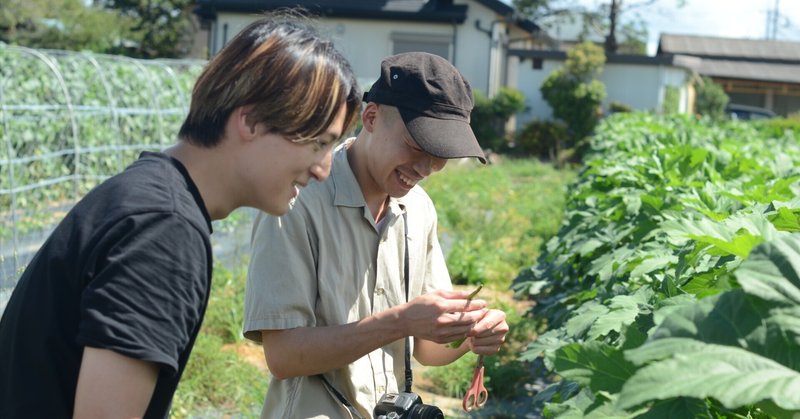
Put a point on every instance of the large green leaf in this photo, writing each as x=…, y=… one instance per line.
x=772, y=272
x=689, y=368
x=681, y=407
x=622, y=311
x=599, y=366
x=737, y=235
x=544, y=343
x=737, y=319
x=786, y=219
x=585, y=316
x=724, y=319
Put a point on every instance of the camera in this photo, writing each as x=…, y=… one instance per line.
x=405, y=405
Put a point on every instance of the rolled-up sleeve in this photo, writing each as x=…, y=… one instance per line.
x=281, y=289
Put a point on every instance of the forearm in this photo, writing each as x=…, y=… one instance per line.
x=440, y=317
x=306, y=351
x=435, y=354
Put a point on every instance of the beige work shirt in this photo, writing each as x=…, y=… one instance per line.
x=325, y=263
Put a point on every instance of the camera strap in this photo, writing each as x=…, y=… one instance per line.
x=339, y=396
x=409, y=374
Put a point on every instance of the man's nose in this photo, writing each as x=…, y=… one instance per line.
x=322, y=168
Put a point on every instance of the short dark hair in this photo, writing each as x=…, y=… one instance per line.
x=295, y=81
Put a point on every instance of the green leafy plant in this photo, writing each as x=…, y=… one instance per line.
x=678, y=258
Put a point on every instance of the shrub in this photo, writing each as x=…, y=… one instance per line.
x=489, y=116
x=615, y=107
x=672, y=100
x=711, y=99
x=543, y=139
x=778, y=127
x=573, y=93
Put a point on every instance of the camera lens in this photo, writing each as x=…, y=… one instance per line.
x=426, y=411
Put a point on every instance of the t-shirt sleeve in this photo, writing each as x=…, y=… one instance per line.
x=281, y=291
x=149, y=288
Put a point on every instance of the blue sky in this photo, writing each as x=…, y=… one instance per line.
x=725, y=18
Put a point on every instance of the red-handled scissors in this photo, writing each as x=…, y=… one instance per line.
x=476, y=393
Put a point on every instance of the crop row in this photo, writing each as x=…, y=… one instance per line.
x=673, y=286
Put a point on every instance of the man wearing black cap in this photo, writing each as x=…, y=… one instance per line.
x=335, y=285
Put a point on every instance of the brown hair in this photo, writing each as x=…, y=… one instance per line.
x=295, y=81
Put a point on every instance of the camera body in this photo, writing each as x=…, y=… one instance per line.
x=405, y=405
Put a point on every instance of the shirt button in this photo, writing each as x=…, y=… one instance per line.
x=381, y=389
x=379, y=291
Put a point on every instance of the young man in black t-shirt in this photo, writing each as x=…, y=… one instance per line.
x=102, y=321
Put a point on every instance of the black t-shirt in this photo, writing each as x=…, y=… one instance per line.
x=128, y=269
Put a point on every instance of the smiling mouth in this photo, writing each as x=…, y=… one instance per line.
x=406, y=180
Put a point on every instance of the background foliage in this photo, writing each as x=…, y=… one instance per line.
x=711, y=99
x=573, y=92
x=489, y=117
x=69, y=120
x=136, y=28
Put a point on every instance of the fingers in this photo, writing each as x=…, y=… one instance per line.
x=493, y=323
x=489, y=333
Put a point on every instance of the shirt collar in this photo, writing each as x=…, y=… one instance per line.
x=346, y=191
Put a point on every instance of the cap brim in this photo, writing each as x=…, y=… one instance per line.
x=443, y=138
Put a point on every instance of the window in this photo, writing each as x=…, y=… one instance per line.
x=434, y=44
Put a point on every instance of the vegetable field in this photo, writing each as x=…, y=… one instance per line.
x=672, y=289
x=69, y=120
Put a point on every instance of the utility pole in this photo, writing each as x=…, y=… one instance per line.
x=611, y=39
x=773, y=18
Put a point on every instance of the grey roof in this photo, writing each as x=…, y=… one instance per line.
x=745, y=59
x=730, y=48
x=772, y=72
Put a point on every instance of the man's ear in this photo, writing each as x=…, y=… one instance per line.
x=245, y=127
x=369, y=116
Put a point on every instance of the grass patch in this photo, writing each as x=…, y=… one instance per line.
x=218, y=381
x=493, y=219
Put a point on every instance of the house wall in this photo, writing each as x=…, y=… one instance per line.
x=365, y=42
x=641, y=87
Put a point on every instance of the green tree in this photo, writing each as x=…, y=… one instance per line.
x=61, y=24
x=163, y=28
x=573, y=92
x=618, y=22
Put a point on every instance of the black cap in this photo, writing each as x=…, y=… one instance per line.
x=434, y=101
